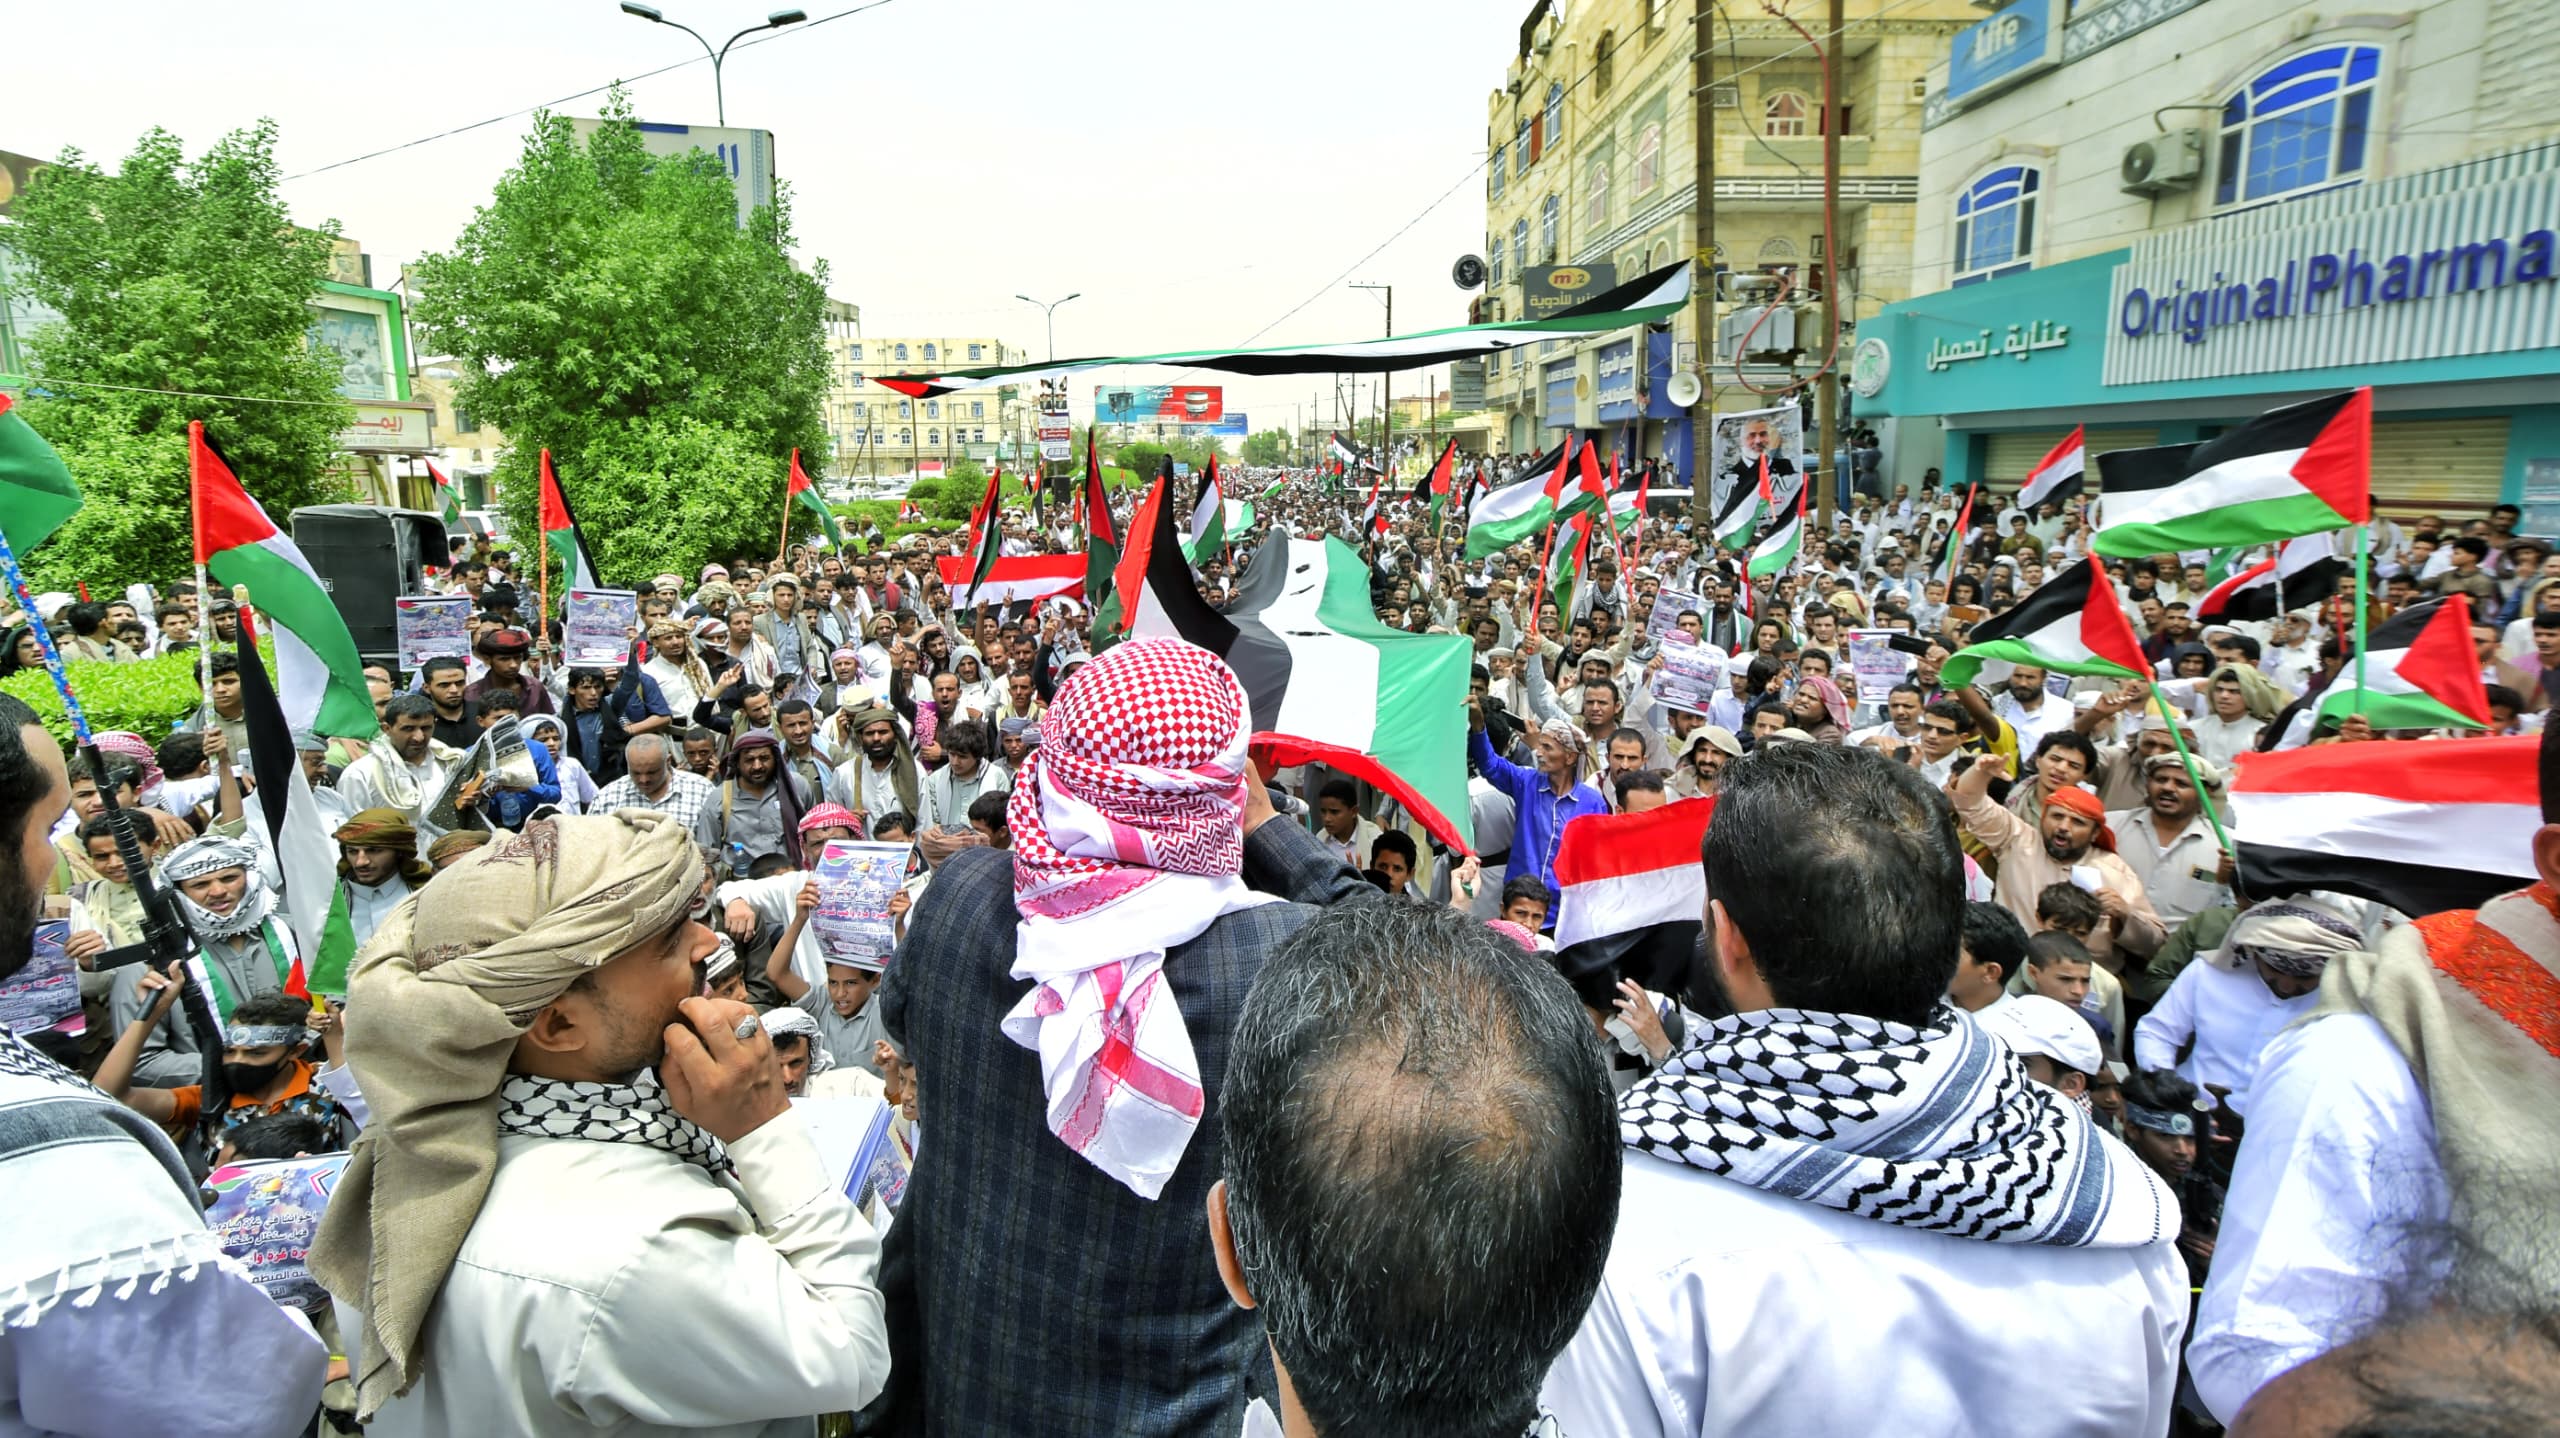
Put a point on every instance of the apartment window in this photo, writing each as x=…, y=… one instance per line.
x=2302, y=123
x=933, y=436
x=906, y=409
x=902, y=351
x=1786, y=114
x=475, y=456
x=1493, y=181
x=1550, y=217
x=1520, y=242
x=932, y=407
x=1996, y=223
x=1493, y=264
x=977, y=352
x=1555, y=112
x=1595, y=197
x=861, y=409
x=853, y=354
x=906, y=439
x=977, y=407
x=1521, y=153
x=977, y=436
x=1648, y=156
x=1604, y=61
x=1661, y=253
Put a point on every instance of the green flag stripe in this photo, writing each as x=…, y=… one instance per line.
x=2257, y=522
x=1422, y=691
x=37, y=492
x=284, y=589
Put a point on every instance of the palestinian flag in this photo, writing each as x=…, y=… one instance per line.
x=1520, y=510
x=2297, y=470
x=1618, y=873
x=448, y=501
x=1345, y=457
x=804, y=492
x=1743, y=509
x=1590, y=492
x=37, y=492
x=317, y=666
x=1644, y=487
x=2420, y=672
x=2059, y=476
x=560, y=528
x=1329, y=684
x=1777, y=549
x=1101, y=546
x=986, y=531
x=1946, y=570
x=1208, y=513
x=2072, y=624
x=2304, y=571
x=314, y=903
x=2421, y=828
x=1025, y=578
x=1568, y=551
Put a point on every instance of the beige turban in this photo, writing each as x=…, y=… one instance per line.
x=435, y=1005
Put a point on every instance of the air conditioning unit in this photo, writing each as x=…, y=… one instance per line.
x=1725, y=97
x=1546, y=37
x=2163, y=163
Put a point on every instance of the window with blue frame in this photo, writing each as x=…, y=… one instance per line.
x=902, y=351
x=1520, y=243
x=1493, y=264
x=929, y=354
x=1996, y=223
x=2303, y=123
x=1555, y=113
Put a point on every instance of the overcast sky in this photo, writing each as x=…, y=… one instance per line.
x=1197, y=168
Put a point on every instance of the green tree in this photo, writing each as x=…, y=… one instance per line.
x=964, y=483
x=1271, y=447
x=606, y=300
x=181, y=282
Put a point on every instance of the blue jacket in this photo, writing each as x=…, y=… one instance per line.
x=509, y=808
x=1542, y=812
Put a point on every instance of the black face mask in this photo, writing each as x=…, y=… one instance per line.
x=253, y=1078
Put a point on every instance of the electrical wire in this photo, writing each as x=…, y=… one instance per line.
x=580, y=95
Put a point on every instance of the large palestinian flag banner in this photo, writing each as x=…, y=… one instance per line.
x=2071, y=624
x=2291, y=471
x=1329, y=684
x=2420, y=672
x=2421, y=828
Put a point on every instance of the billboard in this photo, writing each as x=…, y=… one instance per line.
x=1158, y=404
x=1232, y=426
x=1553, y=289
x=746, y=154
x=1466, y=385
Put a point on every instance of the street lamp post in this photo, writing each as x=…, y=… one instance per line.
x=719, y=101
x=1049, y=312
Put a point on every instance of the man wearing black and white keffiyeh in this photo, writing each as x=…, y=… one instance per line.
x=1847, y=1209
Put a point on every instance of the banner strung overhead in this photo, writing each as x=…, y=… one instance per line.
x=1656, y=296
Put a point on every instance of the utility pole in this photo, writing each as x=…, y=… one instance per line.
x=1386, y=384
x=1702, y=294
x=1826, y=399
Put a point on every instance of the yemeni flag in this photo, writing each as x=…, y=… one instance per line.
x=804, y=492
x=560, y=528
x=1617, y=874
x=1328, y=683
x=2304, y=571
x=37, y=492
x=314, y=903
x=1208, y=512
x=1777, y=549
x=317, y=667
x=2421, y=828
x=2420, y=672
x=1743, y=509
x=1519, y=510
x=448, y=500
x=2071, y=624
x=2059, y=476
x=2296, y=470
x=1023, y=578
x=1101, y=547
x=1946, y=570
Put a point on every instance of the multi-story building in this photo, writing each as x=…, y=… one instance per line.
x=2156, y=218
x=467, y=445
x=1592, y=143
x=879, y=432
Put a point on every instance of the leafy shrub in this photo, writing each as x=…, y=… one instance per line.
x=148, y=697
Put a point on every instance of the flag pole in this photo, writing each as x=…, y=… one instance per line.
x=782, y=544
x=2364, y=567
x=2204, y=799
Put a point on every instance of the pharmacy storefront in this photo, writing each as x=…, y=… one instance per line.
x=2440, y=290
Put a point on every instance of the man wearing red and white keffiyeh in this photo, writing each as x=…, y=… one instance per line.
x=1127, y=841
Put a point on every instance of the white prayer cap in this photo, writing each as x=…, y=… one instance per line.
x=2034, y=1024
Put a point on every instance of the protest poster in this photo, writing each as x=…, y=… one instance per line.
x=855, y=884
x=1667, y=605
x=432, y=626
x=265, y=1215
x=46, y=993
x=596, y=627
x=1878, y=665
x=1737, y=441
x=859, y=1149
x=1692, y=676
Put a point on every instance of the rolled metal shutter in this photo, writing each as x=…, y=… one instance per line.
x=2453, y=468
x=2006, y=458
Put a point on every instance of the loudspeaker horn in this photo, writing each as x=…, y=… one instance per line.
x=1683, y=389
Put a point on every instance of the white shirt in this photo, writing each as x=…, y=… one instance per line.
x=2219, y=739
x=369, y=904
x=2179, y=875
x=2231, y=1015
x=2049, y=715
x=1354, y=850
x=1726, y=1310
x=2340, y=1162
x=615, y=1287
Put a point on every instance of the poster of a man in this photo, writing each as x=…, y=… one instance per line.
x=1742, y=437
